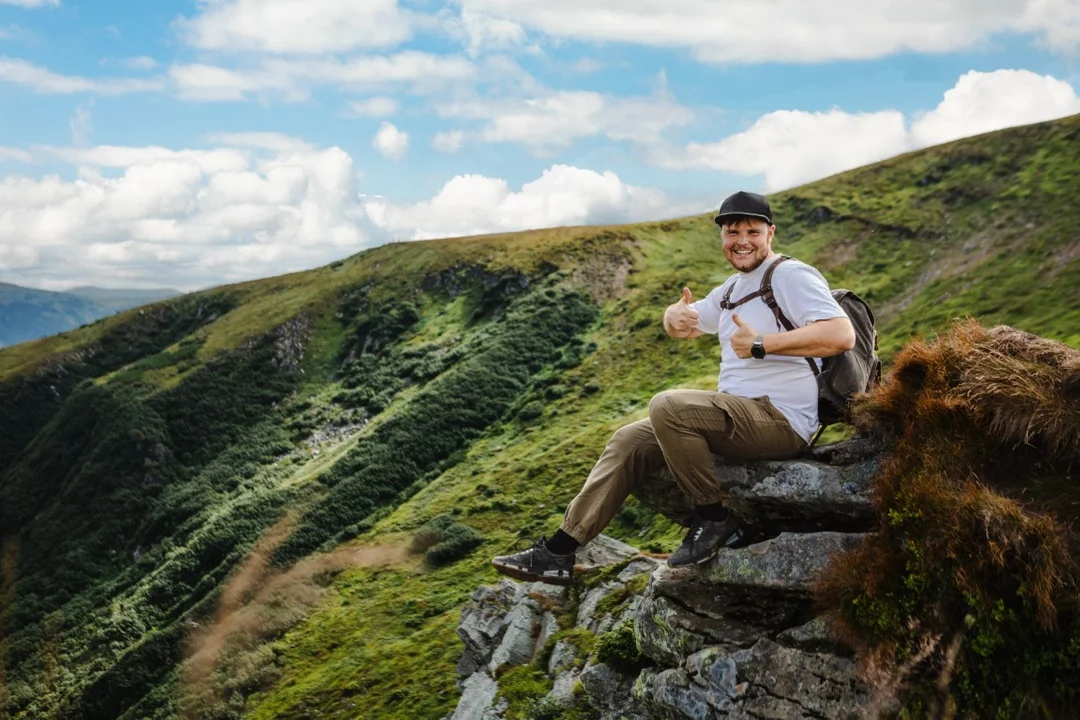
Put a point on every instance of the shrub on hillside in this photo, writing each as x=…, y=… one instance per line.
x=444, y=540
x=966, y=601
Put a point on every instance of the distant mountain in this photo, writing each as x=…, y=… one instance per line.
x=122, y=299
x=28, y=314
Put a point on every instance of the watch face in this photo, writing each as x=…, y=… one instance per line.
x=757, y=350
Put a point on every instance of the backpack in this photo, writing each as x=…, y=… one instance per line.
x=841, y=376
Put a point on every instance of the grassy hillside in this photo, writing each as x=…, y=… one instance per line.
x=473, y=379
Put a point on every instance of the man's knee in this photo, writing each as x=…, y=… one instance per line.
x=662, y=409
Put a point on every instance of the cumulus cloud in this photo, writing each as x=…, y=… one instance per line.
x=790, y=147
x=373, y=107
x=293, y=78
x=474, y=204
x=391, y=142
x=196, y=217
x=296, y=26
x=982, y=102
x=42, y=80
x=748, y=31
x=556, y=119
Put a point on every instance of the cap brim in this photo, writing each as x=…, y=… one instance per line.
x=720, y=218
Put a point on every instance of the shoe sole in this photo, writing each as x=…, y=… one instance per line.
x=526, y=576
x=705, y=559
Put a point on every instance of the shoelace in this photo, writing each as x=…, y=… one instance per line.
x=536, y=543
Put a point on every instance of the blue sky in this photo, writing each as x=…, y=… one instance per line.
x=193, y=143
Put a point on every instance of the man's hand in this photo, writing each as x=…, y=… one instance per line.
x=680, y=319
x=743, y=338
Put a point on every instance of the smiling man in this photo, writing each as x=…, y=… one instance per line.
x=764, y=408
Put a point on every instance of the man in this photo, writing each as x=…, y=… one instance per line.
x=765, y=406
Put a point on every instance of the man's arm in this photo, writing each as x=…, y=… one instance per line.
x=822, y=338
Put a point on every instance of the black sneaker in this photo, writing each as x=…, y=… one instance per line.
x=537, y=564
x=704, y=540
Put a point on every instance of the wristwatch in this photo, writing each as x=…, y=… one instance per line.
x=757, y=350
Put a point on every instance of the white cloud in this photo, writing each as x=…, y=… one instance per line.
x=373, y=107
x=474, y=204
x=480, y=32
x=750, y=31
x=276, y=142
x=41, y=80
x=790, y=147
x=292, y=79
x=296, y=26
x=80, y=124
x=15, y=154
x=30, y=3
x=391, y=142
x=141, y=62
x=982, y=102
x=197, y=217
x=557, y=119
x=448, y=141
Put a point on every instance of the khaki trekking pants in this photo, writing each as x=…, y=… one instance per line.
x=684, y=429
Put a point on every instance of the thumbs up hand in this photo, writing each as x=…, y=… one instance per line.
x=683, y=319
x=743, y=338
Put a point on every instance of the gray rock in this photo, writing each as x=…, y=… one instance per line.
x=588, y=604
x=789, y=562
x=637, y=567
x=611, y=693
x=483, y=623
x=476, y=696
x=746, y=612
x=789, y=683
x=563, y=690
x=770, y=497
x=765, y=681
x=671, y=693
x=667, y=631
x=497, y=711
x=603, y=551
x=812, y=637
x=548, y=627
x=519, y=639
x=562, y=657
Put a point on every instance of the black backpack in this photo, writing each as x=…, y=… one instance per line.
x=840, y=376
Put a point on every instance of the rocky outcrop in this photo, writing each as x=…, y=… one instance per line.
x=734, y=638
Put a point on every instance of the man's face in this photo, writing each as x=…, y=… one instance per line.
x=747, y=243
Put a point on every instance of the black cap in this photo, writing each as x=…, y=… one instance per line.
x=745, y=203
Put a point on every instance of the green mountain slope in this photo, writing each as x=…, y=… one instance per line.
x=142, y=456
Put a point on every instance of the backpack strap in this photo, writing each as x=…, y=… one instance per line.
x=766, y=285
x=767, y=294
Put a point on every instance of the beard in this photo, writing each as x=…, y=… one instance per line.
x=755, y=261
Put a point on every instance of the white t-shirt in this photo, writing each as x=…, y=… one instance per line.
x=804, y=296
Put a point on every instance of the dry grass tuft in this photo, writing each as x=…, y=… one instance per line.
x=966, y=599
